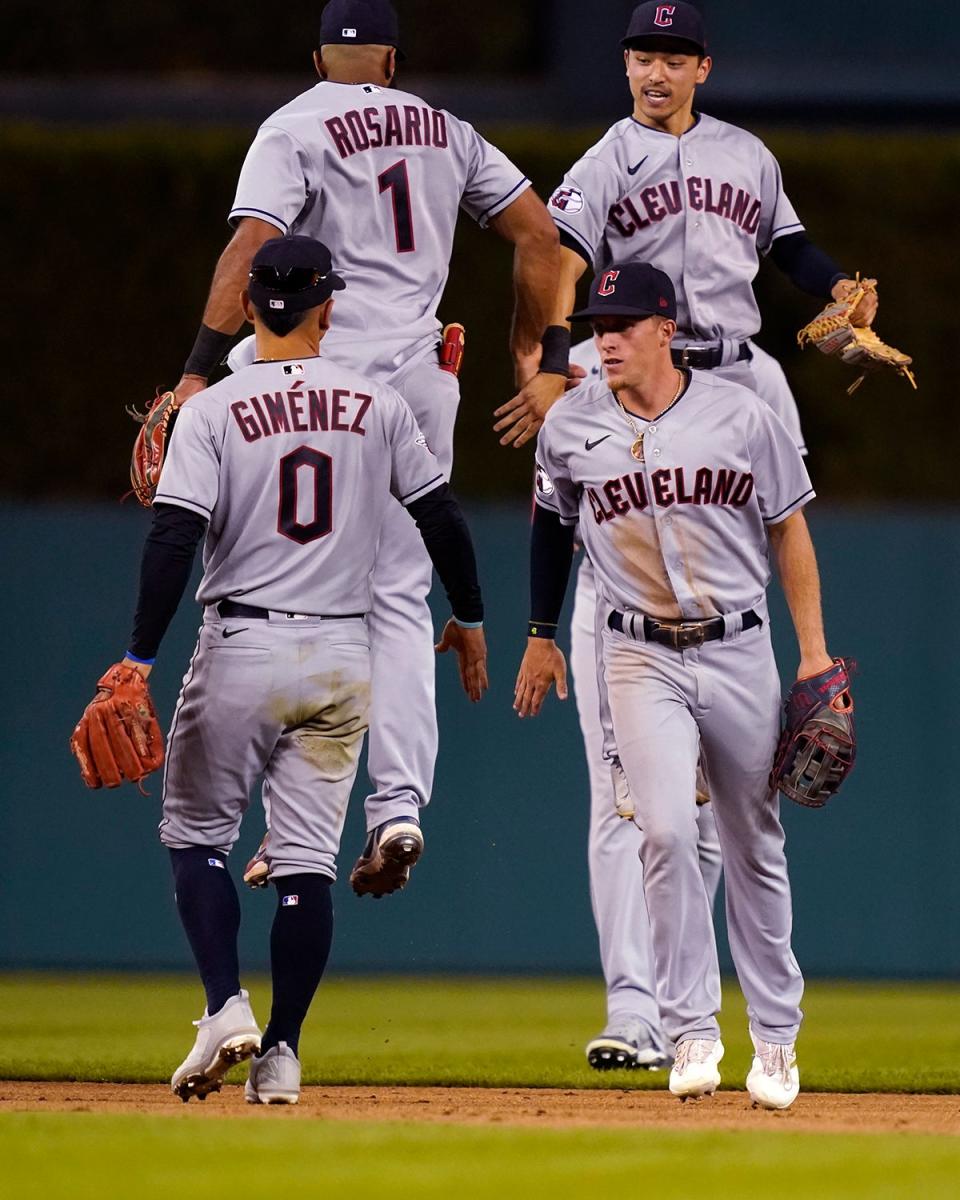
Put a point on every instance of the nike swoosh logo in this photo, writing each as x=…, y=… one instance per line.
x=634, y=170
x=588, y=445
x=228, y=633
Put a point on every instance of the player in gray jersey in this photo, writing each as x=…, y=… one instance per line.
x=703, y=201
x=683, y=483
x=288, y=469
x=380, y=176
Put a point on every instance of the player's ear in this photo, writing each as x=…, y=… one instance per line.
x=706, y=64
x=626, y=61
x=323, y=316
x=390, y=65
x=318, y=63
x=248, y=310
x=667, y=330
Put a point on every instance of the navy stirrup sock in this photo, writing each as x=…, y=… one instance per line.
x=299, y=947
x=209, y=909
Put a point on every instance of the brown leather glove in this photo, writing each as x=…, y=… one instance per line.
x=118, y=737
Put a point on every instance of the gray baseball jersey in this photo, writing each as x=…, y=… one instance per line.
x=378, y=176
x=701, y=207
x=294, y=463
x=681, y=533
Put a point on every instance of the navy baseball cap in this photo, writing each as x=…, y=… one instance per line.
x=679, y=22
x=633, y=290
x=360, y=23
x=291, y=274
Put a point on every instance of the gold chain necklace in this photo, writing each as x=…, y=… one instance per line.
x=636, y=449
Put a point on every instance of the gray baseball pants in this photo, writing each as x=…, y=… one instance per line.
x=665, y=705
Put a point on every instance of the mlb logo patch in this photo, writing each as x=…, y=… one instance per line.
x=348, y=33
x=293, y=369
x=278, y=304
x=215, y=862
x=290, y=901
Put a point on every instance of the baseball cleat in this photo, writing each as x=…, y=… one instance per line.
x=257, y=871
x=384, y=866
x=695, y=1071
x=626, y=1045
x=274, y=1078
x=774, y=1079
x=223, y=1040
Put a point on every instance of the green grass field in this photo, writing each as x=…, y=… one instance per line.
x=857, y=1037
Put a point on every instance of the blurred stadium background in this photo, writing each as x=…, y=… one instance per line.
x=123, y=128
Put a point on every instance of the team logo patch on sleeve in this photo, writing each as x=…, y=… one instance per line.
x=544, y=482
x=567, y=199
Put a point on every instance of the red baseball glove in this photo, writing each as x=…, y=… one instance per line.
x=118, y=737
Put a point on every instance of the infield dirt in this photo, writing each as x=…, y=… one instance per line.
x=548, y=1107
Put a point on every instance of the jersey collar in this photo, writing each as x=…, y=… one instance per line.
x=663, y=132
x=670, y=407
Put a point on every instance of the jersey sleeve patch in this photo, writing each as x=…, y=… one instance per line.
x=567, y=200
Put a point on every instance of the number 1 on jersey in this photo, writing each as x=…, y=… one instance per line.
x=396, y=180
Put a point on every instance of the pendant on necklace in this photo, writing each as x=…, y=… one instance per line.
x=637, y=448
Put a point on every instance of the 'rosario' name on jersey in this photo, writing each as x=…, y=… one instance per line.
x=377, y=175
x=681, y=533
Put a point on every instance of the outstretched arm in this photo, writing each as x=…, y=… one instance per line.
x=812, y=270
x=521, y=418
x=800, y=579
x=223, y=316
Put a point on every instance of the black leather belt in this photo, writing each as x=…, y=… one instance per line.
x=681, y=635
x=230, y=608
x=705, y=358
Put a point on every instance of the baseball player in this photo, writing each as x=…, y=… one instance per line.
x=288, y=468
x=702, y=200
x=683, y=483
x=379, y=175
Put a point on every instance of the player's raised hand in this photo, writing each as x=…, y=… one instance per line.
x=865, y=312
x=522, y=416
x=471, y=649
x=543, y=665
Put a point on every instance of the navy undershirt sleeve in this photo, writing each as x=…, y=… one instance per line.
x=811, y=269
x=165, y=567
x=551, y=556
x=447, y=539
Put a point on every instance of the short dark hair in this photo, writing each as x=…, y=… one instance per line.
x=281, y=323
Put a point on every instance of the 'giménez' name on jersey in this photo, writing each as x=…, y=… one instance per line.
x=294, y=464
x=682, y=533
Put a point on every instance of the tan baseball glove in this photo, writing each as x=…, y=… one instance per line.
x=832, y=331
x=150, y=448
x=118, y=737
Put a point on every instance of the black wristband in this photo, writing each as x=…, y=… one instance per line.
x=555, y=359
x=209, y=350
x=541, y=629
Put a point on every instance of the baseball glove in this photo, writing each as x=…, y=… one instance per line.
x=818, y=745
x=833, y=333
x=150, y=448
x=118, y=737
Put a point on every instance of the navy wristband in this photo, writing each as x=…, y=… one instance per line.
x=209, y=350
x=541, y=629
x=146, y=662
x=555, y=356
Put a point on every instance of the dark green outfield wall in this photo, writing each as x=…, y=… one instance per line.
x=503, y=883
x=112, y=237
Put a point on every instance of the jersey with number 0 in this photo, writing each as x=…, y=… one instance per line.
x=682, y=533
x=701, y=208
x=378, y=176
x=294, y=464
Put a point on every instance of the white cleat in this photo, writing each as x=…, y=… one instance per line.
x=695, y=1070
x=774, y=1078
x=223, y=1040
x=274, y=1078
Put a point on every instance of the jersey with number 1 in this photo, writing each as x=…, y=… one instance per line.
x=379, y=176
x=293, y=464
x=701, y=207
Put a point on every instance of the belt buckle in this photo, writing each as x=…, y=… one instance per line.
x=685, y=357
x=688, y=636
